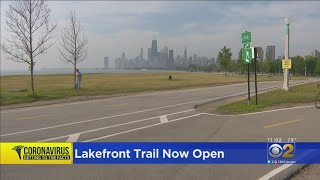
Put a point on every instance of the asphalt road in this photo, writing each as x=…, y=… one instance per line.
x=136, y=118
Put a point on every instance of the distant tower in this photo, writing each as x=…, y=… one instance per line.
x=141, y=54
x=149, y=54
x=271, y=52
x=123, y=56
x=185, y=57
x=154, y=48
x=106, y=62
x=171, y=60
x=260, y=54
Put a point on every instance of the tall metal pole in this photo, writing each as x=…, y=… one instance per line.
x=286, y=71
x=248, y=84
x=255, y=74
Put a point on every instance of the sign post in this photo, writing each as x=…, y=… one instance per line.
x=255, y=74
x=247, y=53
x=286, y=64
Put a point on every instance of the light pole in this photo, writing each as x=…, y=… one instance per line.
x=286, y=71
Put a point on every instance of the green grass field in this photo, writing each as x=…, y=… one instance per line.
x=61, y=86
x=296, y=95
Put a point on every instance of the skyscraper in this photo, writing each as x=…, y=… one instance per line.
x=260, y=54
x=149, y=54
x=171, y=60
x=154, y=49
x=123, y=56
x=315, y=53
x=185, y=57
x=271, y=53
x=106, y=62
x=164, y=57
x=141, y=54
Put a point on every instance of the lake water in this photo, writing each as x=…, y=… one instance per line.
x=70, y=71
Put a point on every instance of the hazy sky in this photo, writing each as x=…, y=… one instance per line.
x=203, y=27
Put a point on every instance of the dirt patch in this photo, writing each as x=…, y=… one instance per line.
x=308, y=172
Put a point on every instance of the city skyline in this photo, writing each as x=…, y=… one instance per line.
x=116, y=27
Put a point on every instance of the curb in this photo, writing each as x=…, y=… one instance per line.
x=286, y=174
x=251, y=93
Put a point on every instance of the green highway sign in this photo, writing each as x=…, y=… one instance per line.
x=247, y=55
x=246, y=37
x=246, y=45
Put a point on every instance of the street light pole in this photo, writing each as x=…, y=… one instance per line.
x=286, y=71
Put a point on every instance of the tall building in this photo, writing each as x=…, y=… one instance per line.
x=315, y=53
x=123, y=56
x=164, y=57
x=154, y=49
x=171, y=60
x=195, y=58
x=185, y=58
x=106, y=62
x=260, y=54
x=271, y=53
x=149, y=54
x=190, y=60
x=141, y=54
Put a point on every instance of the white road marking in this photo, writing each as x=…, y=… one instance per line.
x=136, y=129
x=136, y=112
x=117, y=105
x=116, y=98
x=108, y=127
x=138, y=95
x=286, y=166
x=32, y=117
x=163, y=119
x=275, y=172
x=79, y=122
x=73, y=137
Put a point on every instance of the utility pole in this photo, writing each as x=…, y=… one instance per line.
x=305, y=71
x=286, y=71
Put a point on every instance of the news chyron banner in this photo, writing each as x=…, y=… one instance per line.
x=160, y=153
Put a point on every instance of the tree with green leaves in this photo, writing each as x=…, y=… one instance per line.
x=241, y=66
x=317, y=70
x=311, y=63
x=267, y=65
x=298, y=65
x=224, y=58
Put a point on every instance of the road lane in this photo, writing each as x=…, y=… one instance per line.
x=191, y=127
x=140, y=105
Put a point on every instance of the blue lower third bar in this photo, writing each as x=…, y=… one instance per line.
x=195, y=153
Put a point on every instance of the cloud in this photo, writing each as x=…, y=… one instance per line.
x=203, y=27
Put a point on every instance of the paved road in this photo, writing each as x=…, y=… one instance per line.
x=137, y=118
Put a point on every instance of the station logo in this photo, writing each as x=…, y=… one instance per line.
x=281, y=153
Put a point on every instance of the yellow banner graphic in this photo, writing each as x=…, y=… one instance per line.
x=36, y=153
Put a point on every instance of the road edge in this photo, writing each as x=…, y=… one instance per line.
x=244, y=97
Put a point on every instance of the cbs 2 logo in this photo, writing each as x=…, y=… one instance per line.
x=285, y=151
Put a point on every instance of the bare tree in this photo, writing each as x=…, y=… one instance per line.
x=74, y=43
x=30, y=32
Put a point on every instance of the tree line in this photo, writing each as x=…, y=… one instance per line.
x=301, y=66
x=31, y=33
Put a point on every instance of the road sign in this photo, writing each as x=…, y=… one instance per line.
x=246, y=37
x=246, y=45
x=247, y=55
x=286, y=64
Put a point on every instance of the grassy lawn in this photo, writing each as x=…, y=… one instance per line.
x=298, y=94
x=61, y=86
